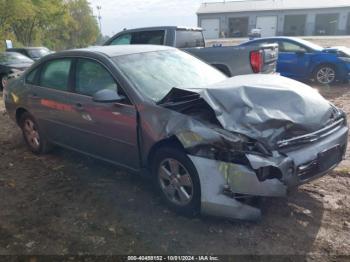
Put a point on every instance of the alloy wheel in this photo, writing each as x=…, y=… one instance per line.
x=175, y=182
x=31, y=133
x=325, y=75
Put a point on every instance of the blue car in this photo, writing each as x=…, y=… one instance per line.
x=303, y=60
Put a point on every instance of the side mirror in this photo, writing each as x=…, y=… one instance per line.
x=107, y=96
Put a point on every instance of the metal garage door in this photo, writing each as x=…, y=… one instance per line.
x=211, y=28
x=267, y=24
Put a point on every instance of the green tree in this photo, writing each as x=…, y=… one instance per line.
x=33, y=18
x=84, y=30
x=57, y=24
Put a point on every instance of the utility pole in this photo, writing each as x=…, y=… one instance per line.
x=99, y=17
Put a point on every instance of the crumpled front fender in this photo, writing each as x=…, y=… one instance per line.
x=213, y=201
x=215, y=176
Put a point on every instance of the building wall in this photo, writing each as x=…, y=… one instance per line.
x=310, y=19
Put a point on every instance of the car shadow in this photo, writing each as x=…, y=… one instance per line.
x=125, y=209
x=67, y=203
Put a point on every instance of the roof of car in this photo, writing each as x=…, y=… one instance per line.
x=273, y=38
x=26, y=48
x=119, y=50
x=7, y=52
x=162, y=28
x=276, y=37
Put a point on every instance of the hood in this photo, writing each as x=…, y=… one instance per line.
x=268, y=108
x=336, y=49
x=20, y=66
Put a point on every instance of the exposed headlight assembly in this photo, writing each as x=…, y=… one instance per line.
x=230, y=148
x=345, y=59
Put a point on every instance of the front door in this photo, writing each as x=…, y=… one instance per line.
x=105, y=130
x=293, y=60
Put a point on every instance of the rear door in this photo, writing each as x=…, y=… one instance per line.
x=105, y=130
x=48, y=95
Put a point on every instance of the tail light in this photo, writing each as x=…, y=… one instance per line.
x=256, y=61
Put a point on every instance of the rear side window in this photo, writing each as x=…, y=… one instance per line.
x=122, y=40
x=55, y=74
x=155, y=37
x=148, y=37
x=288, y=47
x=92, y=77
x=188, y=38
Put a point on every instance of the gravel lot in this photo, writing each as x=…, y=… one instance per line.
x=66, y=203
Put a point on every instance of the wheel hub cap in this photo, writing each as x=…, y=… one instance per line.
x=31, y=133
x=326, y=75
x=175, y=182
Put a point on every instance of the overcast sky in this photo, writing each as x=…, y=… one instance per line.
x=119, y=14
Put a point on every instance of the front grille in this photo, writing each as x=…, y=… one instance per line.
x=312, y=137
x=325, y=161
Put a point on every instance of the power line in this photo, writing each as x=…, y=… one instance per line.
x=99, y=17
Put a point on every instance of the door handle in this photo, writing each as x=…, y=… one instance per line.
x=79, y=107
x=34, y=96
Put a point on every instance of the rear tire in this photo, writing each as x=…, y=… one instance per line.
x=33, y=136
x=176, y=179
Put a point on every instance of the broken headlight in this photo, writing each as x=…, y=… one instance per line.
x=231, y=149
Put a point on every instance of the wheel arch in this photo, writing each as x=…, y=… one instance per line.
x=318, y=65
x=172, y=141
x=223, y=68
x=19, y=112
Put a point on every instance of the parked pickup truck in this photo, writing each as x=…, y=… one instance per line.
x=231, y=60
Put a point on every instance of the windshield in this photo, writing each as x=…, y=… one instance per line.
x=345, y=50
x=155, y=73
x=38, y=53
x=13, y=58
x=310, y=44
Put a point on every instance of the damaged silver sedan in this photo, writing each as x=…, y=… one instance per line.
x=209, y=142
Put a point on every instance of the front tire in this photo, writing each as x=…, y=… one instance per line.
x=325, y=75
x=34, y=138
x=177, y=181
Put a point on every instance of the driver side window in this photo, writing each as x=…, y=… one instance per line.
x=92, y=77
x=289, y=47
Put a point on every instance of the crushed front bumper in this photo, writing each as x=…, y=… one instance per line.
x=297, y=166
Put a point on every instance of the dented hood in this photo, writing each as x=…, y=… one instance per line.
x=267, y=107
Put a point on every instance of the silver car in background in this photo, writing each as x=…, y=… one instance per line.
x=209, y=142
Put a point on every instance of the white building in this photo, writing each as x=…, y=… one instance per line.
x=275, y=17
